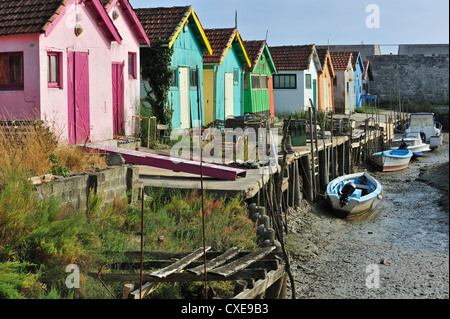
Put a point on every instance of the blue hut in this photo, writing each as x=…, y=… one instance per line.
x=223, y=75
x=358, y=67
x=182, y=28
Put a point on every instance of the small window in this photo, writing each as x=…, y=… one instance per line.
x=193, y=78
x=256, y=83
x=132, y=65
x=54, y=70
x=236, y=76
x=264, y=82
x=11, y=71
x=174, y=79
x=246, y=81
x=285, y=81
x=308, y=81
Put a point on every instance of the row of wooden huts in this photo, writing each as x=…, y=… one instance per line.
x=76, y=63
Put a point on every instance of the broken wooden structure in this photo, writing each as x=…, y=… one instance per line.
x=259, y=274
x=222, y=172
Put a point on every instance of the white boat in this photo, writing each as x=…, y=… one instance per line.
x=392, y=160
x=426, y=125
x=411, y=141
x=353, y=194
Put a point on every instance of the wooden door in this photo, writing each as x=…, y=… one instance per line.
x=78, y=97
x=185, y=110
x=208, y=91
x=272, y=105
x=118, y=98
x=229, y=96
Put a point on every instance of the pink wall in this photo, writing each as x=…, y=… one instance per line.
x=62, y=39
x=51, y=104
x=119, y=53
x=22, y=104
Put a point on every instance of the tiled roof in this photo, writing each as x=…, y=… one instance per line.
x=294, y=57
x=220, y=40
x=28, y=16
x=254, y=50
x=367, y=70
x=340, y=59
x=162, y=22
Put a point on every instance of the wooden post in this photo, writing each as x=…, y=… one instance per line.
x=307, y=177
x=127, y=288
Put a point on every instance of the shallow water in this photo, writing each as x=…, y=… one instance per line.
x=407, y=230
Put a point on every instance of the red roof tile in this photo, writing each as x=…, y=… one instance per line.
x=162, y=22
x=28, y=16
x=254, y=50
x=366, y=68
x=220, y=40
x=341, y=60
x=294, y=57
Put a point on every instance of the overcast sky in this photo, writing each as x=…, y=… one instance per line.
x=292, y=22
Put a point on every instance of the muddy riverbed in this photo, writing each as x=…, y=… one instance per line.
x=400, y=250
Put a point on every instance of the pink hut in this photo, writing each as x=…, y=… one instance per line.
x=73, y=63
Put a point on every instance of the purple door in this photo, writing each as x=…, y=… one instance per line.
x=78, y=97
x=118, y=98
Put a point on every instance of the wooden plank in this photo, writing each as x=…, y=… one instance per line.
x=180, y=264
x=216, y=262
x=242, y=263
x=159, y=255
x=259, y=273
x=147, y=289
x=262, y=284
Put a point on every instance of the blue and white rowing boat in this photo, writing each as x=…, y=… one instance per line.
x=353, y=194
x=392, y=160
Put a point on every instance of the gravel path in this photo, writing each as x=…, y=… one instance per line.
x=398, y=251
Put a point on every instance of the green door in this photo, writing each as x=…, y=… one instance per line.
x=315, y=93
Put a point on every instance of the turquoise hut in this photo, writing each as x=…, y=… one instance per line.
x=182, y=28
x=223, y=76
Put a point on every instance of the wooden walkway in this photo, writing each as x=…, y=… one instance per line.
x=256, y=274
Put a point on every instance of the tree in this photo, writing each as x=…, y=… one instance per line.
x=155, y=62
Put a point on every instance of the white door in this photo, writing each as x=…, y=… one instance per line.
x=229, y=85
x=326, y=100
x=185, y=110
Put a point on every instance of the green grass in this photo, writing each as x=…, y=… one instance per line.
x=38, y=239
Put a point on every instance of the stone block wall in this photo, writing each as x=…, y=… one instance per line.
x=421, y=78
x=121, y=181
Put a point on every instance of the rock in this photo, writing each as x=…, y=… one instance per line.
x=115, y=160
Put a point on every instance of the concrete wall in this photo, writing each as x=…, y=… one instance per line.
x=364, y=49
x=423, y=49
x=111, y=182
x=421, y=78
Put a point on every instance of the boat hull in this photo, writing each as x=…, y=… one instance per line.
x=394, y=160
x=356, y=204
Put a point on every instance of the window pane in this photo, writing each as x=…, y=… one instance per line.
x=4, y=66
x=49, y=69
x=308, y=81
x=54, y=69
x=193, y=78
x=276, y=81
x=282, y=81
x=15, y=69
x=173, y=80
x=131, y=64
x=264, y=82
x=256, y=82
x=236, y=76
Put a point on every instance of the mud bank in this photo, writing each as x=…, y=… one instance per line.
x=403, y=242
